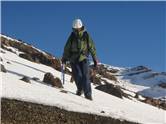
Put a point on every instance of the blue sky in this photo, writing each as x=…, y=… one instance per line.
x=126, y=34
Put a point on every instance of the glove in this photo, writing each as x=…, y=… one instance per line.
x=95, y=62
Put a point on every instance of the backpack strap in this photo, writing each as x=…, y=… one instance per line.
x=85, y=36
x=87, y=40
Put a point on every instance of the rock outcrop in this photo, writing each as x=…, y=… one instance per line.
x=19, y=112
x=49, y=79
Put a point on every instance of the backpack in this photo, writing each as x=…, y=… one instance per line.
x=85, y=36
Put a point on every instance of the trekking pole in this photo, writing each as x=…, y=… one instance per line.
x=62, y=73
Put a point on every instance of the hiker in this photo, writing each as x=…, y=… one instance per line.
x=76, y=51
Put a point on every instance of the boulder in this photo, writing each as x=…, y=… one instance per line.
x=8, y=62
x=111, y=89
x=57, y=83
x=49, y=79
x=26, y=79
x=3, y=69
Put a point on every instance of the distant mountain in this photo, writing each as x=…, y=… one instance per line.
x=32, y=91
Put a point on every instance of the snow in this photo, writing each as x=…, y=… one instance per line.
x=15, y=50
x=155, y=92
x=36, y=92
x=139, y=79
x=112, y=67
x=146, y=83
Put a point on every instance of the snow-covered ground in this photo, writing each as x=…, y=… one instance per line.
x=139, y=80
x=36, y=92
x=145, y=83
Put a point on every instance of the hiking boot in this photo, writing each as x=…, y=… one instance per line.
x=88, y=97
x=79, y=93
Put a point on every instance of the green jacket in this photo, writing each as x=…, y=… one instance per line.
x=78, y=47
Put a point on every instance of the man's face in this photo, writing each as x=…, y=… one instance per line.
x=77, y=29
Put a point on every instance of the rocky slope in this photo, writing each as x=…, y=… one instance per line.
x=127, y=85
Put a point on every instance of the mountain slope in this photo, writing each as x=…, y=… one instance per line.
x=132, y=80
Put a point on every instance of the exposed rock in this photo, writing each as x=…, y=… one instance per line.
x=55, y=63
x=26, y=56
x=8, y=49
x=3, y=47
x=19, y=112
x=96, y=80
x=8, y=62
x=138, y=68
x=136, y=96
x=57, y=83
x=26, y=79
x=155, y=102
x=110, y=76
x=2, y=51
x=163, y=105
x=113, y=70
x=32, y=54
x=93, y=78
x=49, y=79
x=1, y=59
x=35, y=79
x=72, y=79
x=163, y=73
x=139, y=72
x=95, y=72
x=111, y=89
x=64, y=91
x=36, y=57
x=104, y=72
x=102, y=112
x=163, y=85
x=101, y=70
x=4, y=41
x=3, y=69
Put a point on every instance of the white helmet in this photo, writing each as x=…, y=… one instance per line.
x=77, y=23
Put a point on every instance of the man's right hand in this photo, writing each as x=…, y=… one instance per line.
x=95, y=60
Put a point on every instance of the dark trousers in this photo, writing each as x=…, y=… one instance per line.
x=80, y=71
